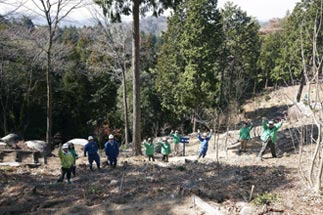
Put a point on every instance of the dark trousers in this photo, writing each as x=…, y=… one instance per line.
x=202, y=154
x=112, y=161
x=67, y=172
x=151, y=157
x=95, y=158
x=73, y=170
x=165, y=158
x=265, y=145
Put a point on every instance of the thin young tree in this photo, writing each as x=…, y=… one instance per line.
x=115, y=42
x=311, y=74
x=54, y=12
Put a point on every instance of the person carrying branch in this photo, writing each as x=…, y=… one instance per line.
x=165, y=149
x=112, y=151
x=176, y=139
x=204, y=140
x=269, y=136
x=150, y=149
x=244, y=136
x=67, y=161
x=91, y=148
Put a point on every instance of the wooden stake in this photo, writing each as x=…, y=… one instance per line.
x=251, y=192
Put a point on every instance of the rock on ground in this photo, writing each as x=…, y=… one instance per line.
x=78, y=141
x=37, y=145
x=11, y=139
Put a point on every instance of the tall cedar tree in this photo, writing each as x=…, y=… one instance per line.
x=114, y=10
x=188, y=61
x=240, y=52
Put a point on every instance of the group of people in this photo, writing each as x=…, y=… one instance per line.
x=268, y=136
x=111, y=148
x=68, y=154
x=166, y=148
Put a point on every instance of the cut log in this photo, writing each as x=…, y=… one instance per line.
x=206, y=207
x=234, y=145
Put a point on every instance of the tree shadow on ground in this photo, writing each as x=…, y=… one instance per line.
x=151, y=186
x=271, y=113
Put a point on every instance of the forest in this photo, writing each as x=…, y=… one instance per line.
x=169, y=113
x=197, y=72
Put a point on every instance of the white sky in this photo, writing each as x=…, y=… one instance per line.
x=264, y=9
x=261, y=9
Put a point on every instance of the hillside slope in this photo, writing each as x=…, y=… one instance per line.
x=137, y=186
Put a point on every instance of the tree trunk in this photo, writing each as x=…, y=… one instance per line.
x=313, y=159
x=319, y=175
x=194, y=122
x=4, y=104
x=266, y=82
x=125, y=104
x=49, y=99
x=136, y=77
x=254, y=86
x=300, y=89
x=221, y=99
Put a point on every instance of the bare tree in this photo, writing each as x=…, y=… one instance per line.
x=115, y=42
x=311, y=75
x=54, y=12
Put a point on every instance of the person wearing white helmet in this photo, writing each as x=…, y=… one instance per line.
x=91, y=148
x=67, y=161
x=204, y=140
x=268, y=137
x=112, y=151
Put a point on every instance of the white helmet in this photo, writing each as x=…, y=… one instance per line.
x=204, y=134
x=111, y=136
x=90, y=138
x=65, y=146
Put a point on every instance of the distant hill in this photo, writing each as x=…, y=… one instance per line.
x=154, y=25
x=271, y=26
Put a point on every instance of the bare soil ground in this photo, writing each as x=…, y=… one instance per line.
x=137, y=186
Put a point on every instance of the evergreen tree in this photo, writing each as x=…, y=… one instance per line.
x=239, y=55
x=114, y=10
x=188, y=63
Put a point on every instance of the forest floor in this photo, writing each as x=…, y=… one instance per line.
x=137, y=186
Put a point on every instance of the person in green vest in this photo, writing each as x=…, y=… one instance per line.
x=67, y=161
x=75, y=155
x=165, y=149
x=269, y=136
x=244, y=136
x=176, y=139
x=150, y=149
